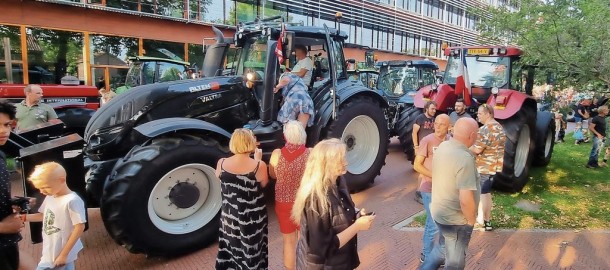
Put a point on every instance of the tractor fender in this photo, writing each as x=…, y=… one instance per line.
x=164, y=126
x=324, y=114
x=508, y=102
x=444, y=96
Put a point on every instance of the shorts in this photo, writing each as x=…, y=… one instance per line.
x=283, y=210
x=487, y=181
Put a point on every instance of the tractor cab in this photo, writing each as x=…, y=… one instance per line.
x=257, y=46
x=490, y=69
x=400, y=79
x=361, y=72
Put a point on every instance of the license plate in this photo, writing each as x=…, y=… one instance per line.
x=478, y=51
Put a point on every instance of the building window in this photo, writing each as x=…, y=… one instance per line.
x=459, y=14
x=425, y=8
x=110, y=57
x=11, y=66
x=397, y=44
x=53, y=54
x=434, y=9
x=448, y=16
x=242, y=12
x=400, y=3
x=164, y=49
x=196, y=55
x=413, y=5
x=131, y=5
x=367, y=37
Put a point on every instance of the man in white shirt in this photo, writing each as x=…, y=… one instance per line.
x=304, y=66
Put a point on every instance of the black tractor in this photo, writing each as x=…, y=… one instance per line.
x=398, y=82
x=151, y=153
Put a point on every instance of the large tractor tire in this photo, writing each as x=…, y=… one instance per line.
x=163, y=198
x=519, y=151
x=361, y=124
x=75, y=119
x=545, y=139
x=404, y=129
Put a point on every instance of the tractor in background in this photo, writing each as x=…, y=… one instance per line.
x=498, y=79
x=398, y=82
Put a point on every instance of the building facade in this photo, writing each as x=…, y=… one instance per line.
x=92, y=39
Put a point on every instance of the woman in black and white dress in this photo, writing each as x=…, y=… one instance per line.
x=243, y=230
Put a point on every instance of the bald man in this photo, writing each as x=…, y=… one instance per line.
x=456, y=186
x=423, y=165
x=31, y=111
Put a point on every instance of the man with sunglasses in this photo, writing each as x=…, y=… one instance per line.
x=489, y=151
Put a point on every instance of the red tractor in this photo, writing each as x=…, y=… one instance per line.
x=497, y=78
x=74, y=104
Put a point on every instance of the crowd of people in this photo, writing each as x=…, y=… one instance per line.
x=316, y=215
x=591, y=125
x=456, y=158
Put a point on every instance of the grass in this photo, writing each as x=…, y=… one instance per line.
x=570, y=195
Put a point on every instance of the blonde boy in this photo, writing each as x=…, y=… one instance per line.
x=63, y=215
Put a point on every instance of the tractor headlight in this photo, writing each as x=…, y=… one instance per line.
x=250, y=76
x=495, y=90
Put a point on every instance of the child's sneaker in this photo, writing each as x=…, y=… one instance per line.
x=603, y=164
x=478, y=227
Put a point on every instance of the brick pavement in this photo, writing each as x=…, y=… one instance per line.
x=383, y=247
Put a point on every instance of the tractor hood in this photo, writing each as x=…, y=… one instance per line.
x=187, y=98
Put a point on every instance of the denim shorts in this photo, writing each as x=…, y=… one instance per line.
x=487, y=181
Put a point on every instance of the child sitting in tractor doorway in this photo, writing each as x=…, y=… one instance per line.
x=63, y=218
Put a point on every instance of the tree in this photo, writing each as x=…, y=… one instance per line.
x=567, y=38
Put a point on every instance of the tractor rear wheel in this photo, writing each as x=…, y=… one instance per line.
x=404, y=129
x=519, y=151
x=164, y=197
x=545, y=139
x=361, y=125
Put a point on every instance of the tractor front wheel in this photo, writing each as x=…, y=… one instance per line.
x=164, y=197
x=404, y=129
